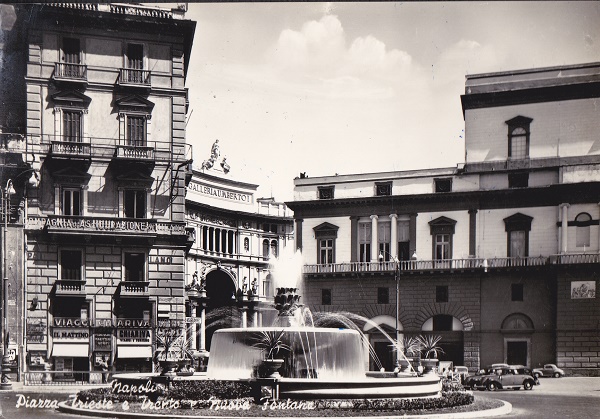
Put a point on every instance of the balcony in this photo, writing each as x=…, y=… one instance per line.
x=65, y=72
x=70, y=287
x=114, y=227
x=134, y=152
x=130, y=77
x=71, y=150
x=444, y=266
x=134, y=288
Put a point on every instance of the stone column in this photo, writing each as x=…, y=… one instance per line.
x=202, y=328
x=244, y=317
x=565, y=228
x=394, y=235
x=374, y=242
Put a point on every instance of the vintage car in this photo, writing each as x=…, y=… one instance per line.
x=549, y=370
x=474, y=381
x=507, y=377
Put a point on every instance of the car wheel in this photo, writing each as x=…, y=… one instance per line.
x=527, y=385
x=557, y=375
x=492, y=387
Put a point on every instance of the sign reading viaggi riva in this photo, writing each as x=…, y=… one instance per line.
x=220, y=193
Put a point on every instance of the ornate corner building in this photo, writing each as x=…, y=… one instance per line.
x=498, y=255
x=94, y=171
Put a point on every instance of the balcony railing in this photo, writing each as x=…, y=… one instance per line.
x=71, y=149
x=134, y=77
x=70, y=72
x=134, y=288
x=69, y=224
x=450, y=265
x=134, y=152
x=70, y=287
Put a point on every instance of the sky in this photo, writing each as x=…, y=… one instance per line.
x=359, y=87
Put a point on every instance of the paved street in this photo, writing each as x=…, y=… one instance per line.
x=569, y=397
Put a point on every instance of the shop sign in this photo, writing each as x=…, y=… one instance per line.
x=71, y=335
x=193, y=320
x=102, y=342
x=134, y=336
x=220, y=193
x=70, y=322
x=36, y=330
x=133, y=323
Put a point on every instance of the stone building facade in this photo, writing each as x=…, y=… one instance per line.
x=101, y=132
x=497, y=255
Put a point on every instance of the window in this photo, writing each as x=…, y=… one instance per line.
x=516, y=292
x=518, y=137
x=383, y=188
x=443, y=185
x=136, y=130
x=325, y=192
x=517, y=227
x=135, y=203
x=71, y=202
x=274, y=248
x=383, y=295
x=441, y=294
x=582, y=234
x=364, y=242
x=71, y=264
x=265, y=248
x=443, y=322
x=326, y=235
x=135, y=56
x=326, y=297
x=72, y=126
x=442, y=232
x=71, y=51
x=135, y=266
x=403, y=240
x=246, y=244
x=518, y=180
x=383, y=237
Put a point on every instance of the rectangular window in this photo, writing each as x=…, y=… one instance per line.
x=135, y=56
x=325, y=192
x=135, y=266
x=71, y=264
x=71, y=51
x=71, y=202
x=383, y=188
x=441, y=294
x=72, y=128
x=516, y=291
x=518, y=180
x=326, y=251
x=364, y=242
x=442, y=247
x=326, y=297
x=135, y=203
x=443, y=185
x=383, y=295
x=136, y=131
x=517, y=243
x=383, y=237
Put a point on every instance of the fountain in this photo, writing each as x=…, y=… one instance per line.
x=317, y=362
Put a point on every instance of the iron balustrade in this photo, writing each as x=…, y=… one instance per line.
x=134, y=77
x=68, y=71
x=484, y=264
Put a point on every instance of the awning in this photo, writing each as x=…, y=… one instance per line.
x=74, y=350
x=133, y=351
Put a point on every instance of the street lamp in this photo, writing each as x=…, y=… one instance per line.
x=5, y=383
x=397, y=279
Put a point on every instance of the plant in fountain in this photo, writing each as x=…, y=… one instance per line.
x=430, y=351
x=169, y=343
x=270, y=343
x=411, y=348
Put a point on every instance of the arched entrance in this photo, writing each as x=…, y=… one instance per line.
x=451, y=330
x=517, y=330
x=377, y=328
x=220, y=310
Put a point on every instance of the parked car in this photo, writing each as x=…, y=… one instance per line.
x=474, y=381
x=462, y=372
x=549, y=370
x=507, y=377
x=522, y=369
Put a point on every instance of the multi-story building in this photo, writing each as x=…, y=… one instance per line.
x=238, y=239
x=498, y=255
x=99, y=116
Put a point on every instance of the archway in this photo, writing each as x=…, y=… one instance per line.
x=381, y=329
x=451, y=330
x=517, y=329
x=221, y=311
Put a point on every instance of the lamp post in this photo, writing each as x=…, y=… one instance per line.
x=5, y=383
x=397, y=280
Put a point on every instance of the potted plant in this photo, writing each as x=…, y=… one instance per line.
x=411, y=348
x=270, y=343
x=429, y=351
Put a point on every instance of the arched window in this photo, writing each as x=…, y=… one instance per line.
x=583, y=221
x=265, y=246
x=518, y=137
x=274, y=248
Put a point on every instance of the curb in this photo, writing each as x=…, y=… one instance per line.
x=64, y=408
